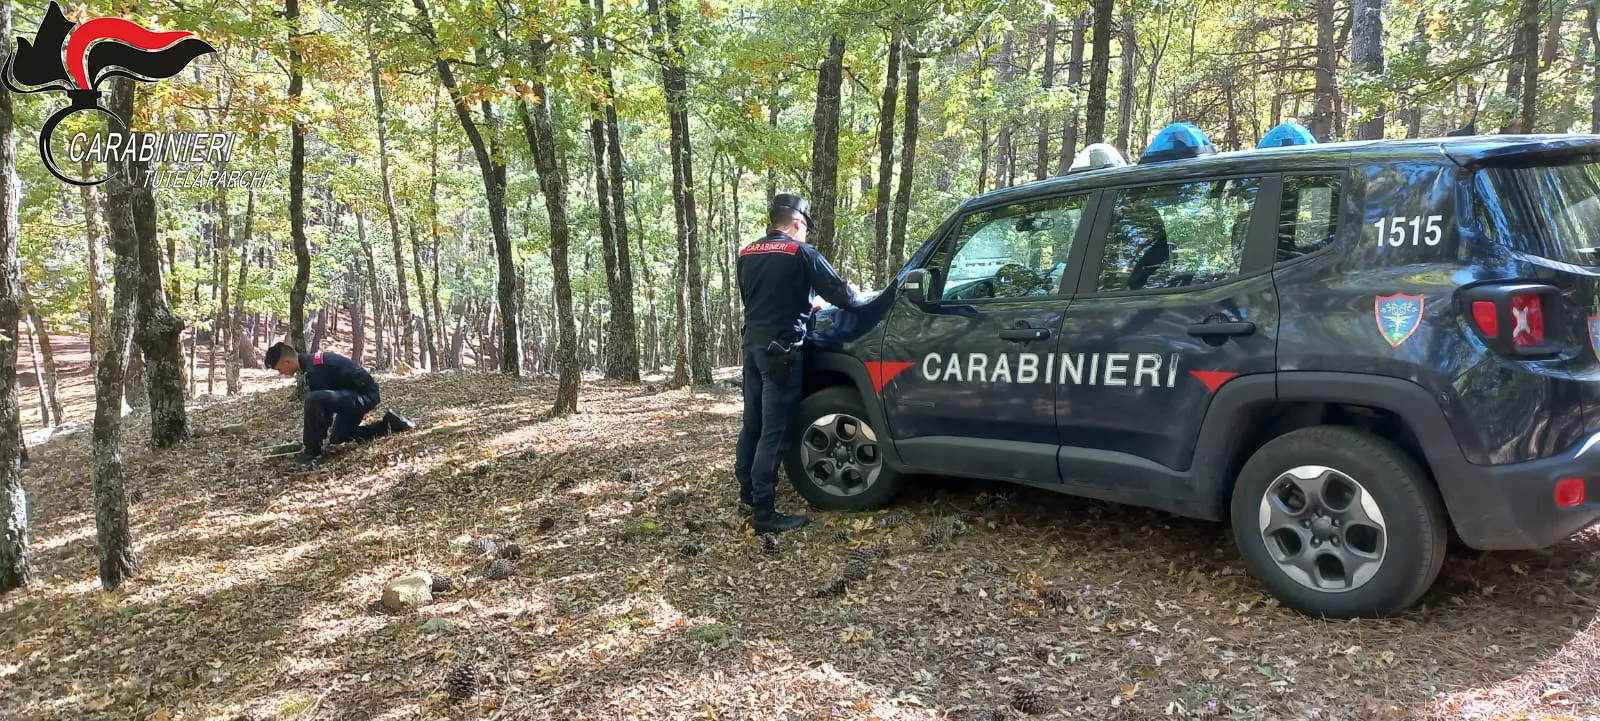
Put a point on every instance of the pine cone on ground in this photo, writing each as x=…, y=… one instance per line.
x=1030, y=701
x=1056, y=598
x=958, y=526
x=487, y=546
x=565, y=482
x=693, y=549
x=935, y=537
x=545, y=524
x=511, y=551
x=463, y=682
x=441, y=583
x=770, y=544
x=856, y=569
x=837, y=588
x=879, y=549
x=501, y=570
x=841, y=535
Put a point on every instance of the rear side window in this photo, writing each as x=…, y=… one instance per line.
x=1013, y=251
x=1552, y=210
x=1309, y=218
x=1172, y=236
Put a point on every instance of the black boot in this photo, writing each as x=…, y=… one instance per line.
x=769, y=520
x=397, y=423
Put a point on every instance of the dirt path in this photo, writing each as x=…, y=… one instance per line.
x=256, y=599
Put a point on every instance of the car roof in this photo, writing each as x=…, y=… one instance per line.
x=1464, y=151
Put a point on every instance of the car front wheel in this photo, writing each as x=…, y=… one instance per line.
x=836, y=461
x=1339, y=523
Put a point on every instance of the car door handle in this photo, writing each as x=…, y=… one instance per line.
x=1227, y=328
x=1025, y=334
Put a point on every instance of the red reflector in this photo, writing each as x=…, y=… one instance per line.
x=1527, y=320
x=1569, y=492
x=1487, y=316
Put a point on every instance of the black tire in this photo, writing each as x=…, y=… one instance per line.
x=1415, y=527
x=829, y=401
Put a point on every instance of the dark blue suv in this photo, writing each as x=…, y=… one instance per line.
x=1348, y=351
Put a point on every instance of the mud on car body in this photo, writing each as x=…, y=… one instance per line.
x=1348, y=351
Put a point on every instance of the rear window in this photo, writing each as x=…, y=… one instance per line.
x=1552, y=211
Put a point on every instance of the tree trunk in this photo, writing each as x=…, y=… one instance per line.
x=241, y=352
x=38, y=369
x=44, y=364
x=1322, y=116
x=1047, y=80
x=552, y=170
x=696, y=367
x=113, y=535
x=908, y=161
x=493, y=170
x=403, y=304
x=15, y=572
x=623, y=317
x=97, y=293
x=1002, y=153
x=615, y=363
x=1094, y=129
x=1528, y=42
x=433, y=229
x=159, y=331
x=1366, y=57
x=380, y=358
x=221, y=330
x=297, y=188
x=825, y=148
x=426, y=353
x=1126, y=91
x=1593, y=18
x=880, y=225
x=1069, y=133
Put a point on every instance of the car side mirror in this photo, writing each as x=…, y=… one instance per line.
x=914, y=286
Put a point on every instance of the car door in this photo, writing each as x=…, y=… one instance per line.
x=1175, y=299
x=965, y=376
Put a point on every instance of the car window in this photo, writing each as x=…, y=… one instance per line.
x=1309, y=218
x=1013, y=251
x=1172, y=236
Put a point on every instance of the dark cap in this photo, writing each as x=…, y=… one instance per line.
x=793, y=202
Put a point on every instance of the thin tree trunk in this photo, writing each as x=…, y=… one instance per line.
x=552, y=170
x=1094, y=130
x=1322, y=115
x=403, y=303
x=1047, y=80
x=696, y=367
x=908, y=161
x=886, y=109
x=297, y=187
x=1528, y=42
x=1125, y=93
x=429, y=357
x=1069, y=134
x=614, y=364
x=242, y=352
x=50, y=393
x=1366, y=57
x=221, y=330
x=38, y=366
x=1002, y=152
x=97, y=293
x=15, y=571
x=493, y=171
x=113, y=535
x=1593, y=18
x=825, y=148
x=381, y=358
x=433, y=229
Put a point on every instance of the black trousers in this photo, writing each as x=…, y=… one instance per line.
x=344, y=409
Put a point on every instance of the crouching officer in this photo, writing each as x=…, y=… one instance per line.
x=339, y=391
x=777, y=275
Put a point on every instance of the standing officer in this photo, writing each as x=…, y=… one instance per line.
x=776, y=277
x=339, y=391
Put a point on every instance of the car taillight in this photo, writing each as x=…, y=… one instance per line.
x=1487, y=316
x=1569, y=492
x=1510, y=316
x=1527, y=320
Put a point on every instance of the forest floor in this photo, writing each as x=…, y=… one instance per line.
x=257, y=596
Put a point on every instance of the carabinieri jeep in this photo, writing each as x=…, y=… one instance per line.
x=1348, y=351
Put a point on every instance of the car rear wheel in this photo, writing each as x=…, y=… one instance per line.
x=1338, y=522
x=836, y=462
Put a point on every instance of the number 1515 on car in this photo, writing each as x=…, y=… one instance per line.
x=1414, y=230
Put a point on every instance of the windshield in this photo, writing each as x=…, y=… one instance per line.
x=1551, y=211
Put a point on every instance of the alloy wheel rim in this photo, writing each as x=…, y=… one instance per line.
x=1323, y=529
x=841, y=455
